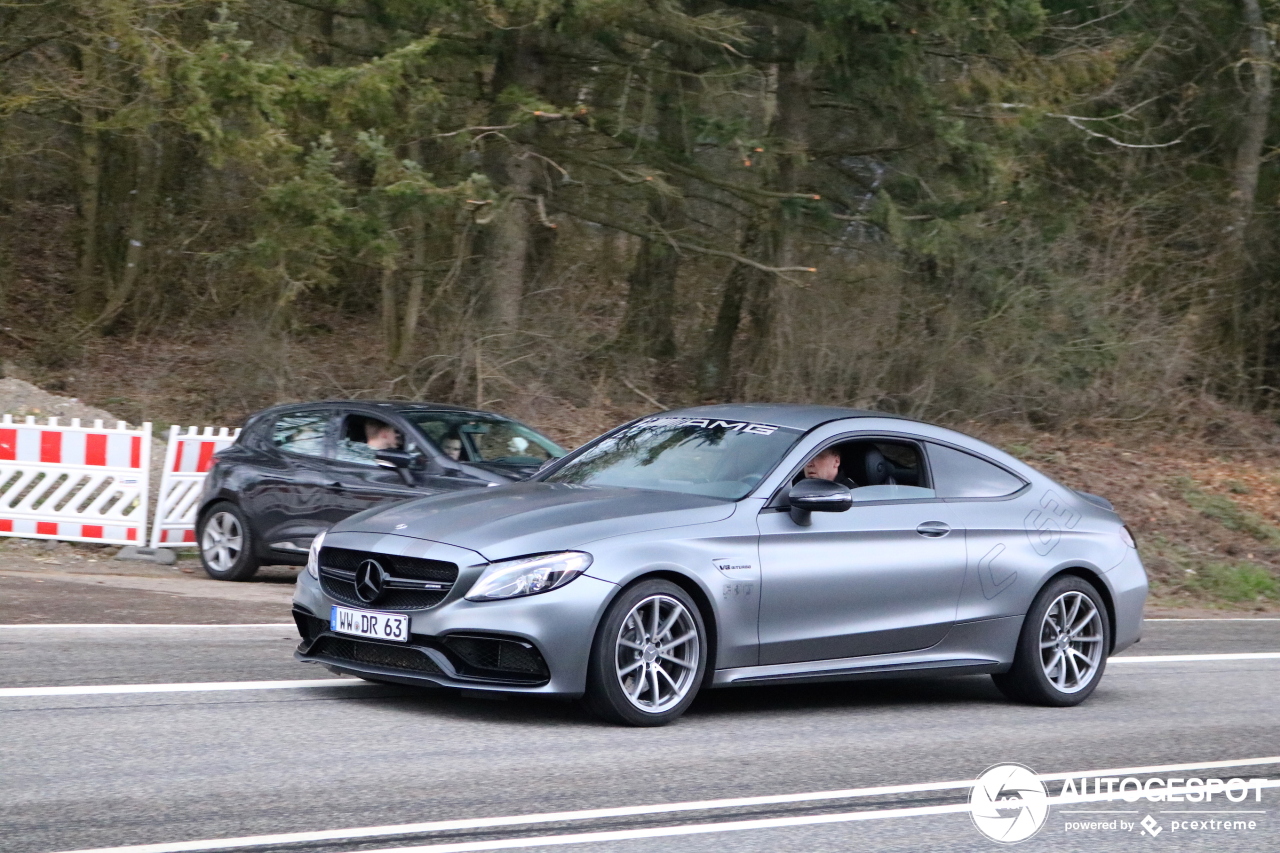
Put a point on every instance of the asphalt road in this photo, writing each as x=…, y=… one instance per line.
x=92, y=771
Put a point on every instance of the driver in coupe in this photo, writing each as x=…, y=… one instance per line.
x=826, y=466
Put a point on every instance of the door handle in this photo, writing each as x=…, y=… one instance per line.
x=336, y=485
x=933, y=529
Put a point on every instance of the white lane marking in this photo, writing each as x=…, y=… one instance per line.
x=303, y=684
x=740, y=825
x=187, y=687
x=1212, y=619
x=1194, y=658
x=634, y=811
x=143, y=625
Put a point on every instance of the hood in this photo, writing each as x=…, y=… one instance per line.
x=530, y=518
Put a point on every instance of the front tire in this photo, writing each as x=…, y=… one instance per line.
x=226, y=543
x=1062, y=650
x=649, y=656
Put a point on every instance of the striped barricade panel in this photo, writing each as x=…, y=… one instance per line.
x=76, y=483
x=186, y=461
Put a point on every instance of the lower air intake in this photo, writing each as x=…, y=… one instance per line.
x=375, y=654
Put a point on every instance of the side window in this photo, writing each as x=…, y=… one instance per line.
x=958, y=474
x=362, y=437
x=873, y=469
x=301, y=432
x=503, y=442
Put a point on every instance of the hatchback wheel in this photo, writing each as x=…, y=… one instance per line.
x=1063, y=648
x=226, y=544
x=649, y=656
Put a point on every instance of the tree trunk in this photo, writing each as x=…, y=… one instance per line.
x=505, y=245
x=1246, y=324
x=715, y=369
x=146, y=188
x=90, y=174
x=777, y=244
x=417, y=286
x=387, y=290
x=324, y=45
x=1253, y=130
x=648, y=324
x=507, y=250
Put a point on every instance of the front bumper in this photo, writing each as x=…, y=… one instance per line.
x=537, y=644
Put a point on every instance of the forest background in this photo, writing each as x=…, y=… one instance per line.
x=1045, y=221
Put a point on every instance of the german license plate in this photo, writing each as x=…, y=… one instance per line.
x=368, y=623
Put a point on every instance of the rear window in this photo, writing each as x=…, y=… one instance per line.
x=957, y=474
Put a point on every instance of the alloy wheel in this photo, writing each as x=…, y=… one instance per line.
x=1071, y=638
x=656, y=654
x=222, y=542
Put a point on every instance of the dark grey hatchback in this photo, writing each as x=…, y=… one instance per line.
x=296, y=470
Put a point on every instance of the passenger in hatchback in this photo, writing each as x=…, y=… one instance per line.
x=452, y=446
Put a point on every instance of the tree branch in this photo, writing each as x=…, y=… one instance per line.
x=690, y=247
x=31, y=45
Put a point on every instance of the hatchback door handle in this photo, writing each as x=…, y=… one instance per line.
x=336, y=485
x=933, y=529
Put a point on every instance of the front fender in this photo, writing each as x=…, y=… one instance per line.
x=729, y=595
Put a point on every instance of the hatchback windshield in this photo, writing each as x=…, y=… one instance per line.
x=696, y=456
x=470, y=437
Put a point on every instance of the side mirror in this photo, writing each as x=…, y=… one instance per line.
x=399, y=460
x=395, y=458
x=809, y=496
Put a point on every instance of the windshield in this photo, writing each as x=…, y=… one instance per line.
x=469, y=437
x=694, y=456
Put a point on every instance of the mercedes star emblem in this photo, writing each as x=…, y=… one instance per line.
x=371, y=580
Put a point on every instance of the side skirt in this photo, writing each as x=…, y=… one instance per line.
x=971, y=648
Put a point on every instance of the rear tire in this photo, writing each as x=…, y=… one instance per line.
x=226, y=543
x=648, y=657
x=1062, y=650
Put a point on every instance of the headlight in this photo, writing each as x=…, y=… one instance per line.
x=529, y=575
x=313, y=556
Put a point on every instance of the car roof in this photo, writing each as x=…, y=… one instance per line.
x=394, y=405
x=793, y=415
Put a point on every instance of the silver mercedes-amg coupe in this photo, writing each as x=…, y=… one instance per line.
x=733, y=545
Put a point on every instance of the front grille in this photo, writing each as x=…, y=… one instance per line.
x=404, y=567
x=375, y=654
x=392, y=599
x=499, y=658
x=337, y=571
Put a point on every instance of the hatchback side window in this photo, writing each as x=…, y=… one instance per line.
x=301, y=432
x=957, y=474
x=362, y=437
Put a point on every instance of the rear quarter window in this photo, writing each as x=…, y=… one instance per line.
x=957, y=474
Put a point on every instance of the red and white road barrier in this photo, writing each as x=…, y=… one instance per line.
x=75, y=483
x=186, y=461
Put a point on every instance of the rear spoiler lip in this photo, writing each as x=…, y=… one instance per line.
x=1096, y=500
